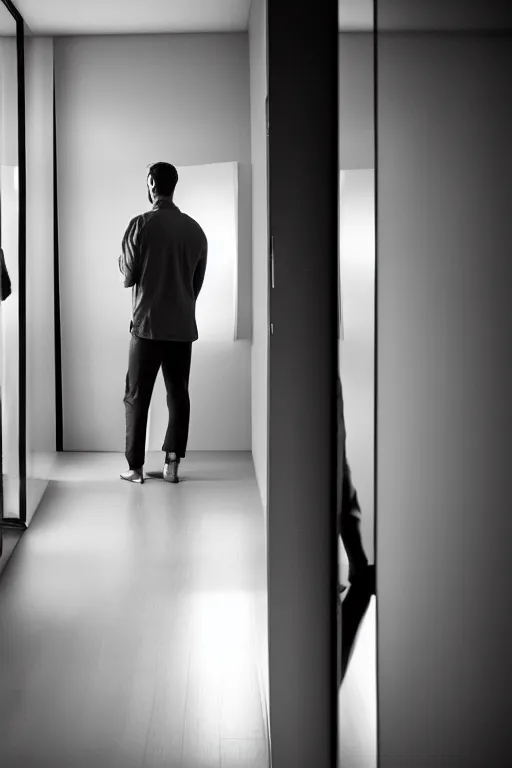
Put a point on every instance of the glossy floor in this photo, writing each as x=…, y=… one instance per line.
x=357, y=701
x=132, y=620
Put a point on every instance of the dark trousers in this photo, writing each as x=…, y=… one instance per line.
x=145, y=358
x=349, y=511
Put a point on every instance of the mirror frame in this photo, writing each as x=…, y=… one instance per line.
x=21, y=521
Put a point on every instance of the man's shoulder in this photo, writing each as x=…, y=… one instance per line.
x=136, y=222
x=192, y=224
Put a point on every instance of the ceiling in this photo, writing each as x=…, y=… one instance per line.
x=103, y=17
x=79, y=17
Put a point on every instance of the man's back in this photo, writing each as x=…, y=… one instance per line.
x=164, y=259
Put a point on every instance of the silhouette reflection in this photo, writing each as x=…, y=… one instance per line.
x=353, y=601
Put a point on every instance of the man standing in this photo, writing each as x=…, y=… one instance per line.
x=163, y=260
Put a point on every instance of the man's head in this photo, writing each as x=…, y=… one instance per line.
x=162, y=180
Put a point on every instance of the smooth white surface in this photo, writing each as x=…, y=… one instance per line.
x=39, y=275
x=357, y=700
x=259, y=356
x=357, y=269
x=104, y=145
x=136, y=611
x=8, y=102
x=72, y=17
x=209, y=193
x=7, y=23
x=259, y=352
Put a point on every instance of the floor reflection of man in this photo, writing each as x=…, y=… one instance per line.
x=361, y=574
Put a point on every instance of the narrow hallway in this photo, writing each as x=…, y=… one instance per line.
x=132, y=620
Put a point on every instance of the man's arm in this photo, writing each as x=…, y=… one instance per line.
x=129, y=260
x=200, y=270
x=5, y=282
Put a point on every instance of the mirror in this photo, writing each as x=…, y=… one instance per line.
x=198, y=546
x=150, y=598
x=9, y=298
x=357, y=701
x=40, y=293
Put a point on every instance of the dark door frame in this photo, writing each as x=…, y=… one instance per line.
x=303, y=362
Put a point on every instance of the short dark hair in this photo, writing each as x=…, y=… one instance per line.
x=165, y=177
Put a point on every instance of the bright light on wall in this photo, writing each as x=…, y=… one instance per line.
x=209, y=193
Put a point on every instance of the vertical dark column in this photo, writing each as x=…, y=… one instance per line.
x=59, y=422
x=303, y=358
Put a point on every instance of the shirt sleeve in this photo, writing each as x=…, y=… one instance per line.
x=200, y=269
x=5, y=283
x=130, y=258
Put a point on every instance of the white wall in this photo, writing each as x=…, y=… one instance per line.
x=123, y=102
x=258, y=66
x=259, y=352
x=8, y=100
x=40, y=255
x=356, y=100
x=444, y=286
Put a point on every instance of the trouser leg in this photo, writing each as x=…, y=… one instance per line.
x=349, y=511
x=176, y=360
x=143, y=366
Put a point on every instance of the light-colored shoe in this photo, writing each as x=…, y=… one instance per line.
x=171, y=471
x=133, y=476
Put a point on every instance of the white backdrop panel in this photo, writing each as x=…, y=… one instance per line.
x=209, y=193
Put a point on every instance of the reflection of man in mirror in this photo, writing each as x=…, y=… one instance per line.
x=5, y=282
x=361, y=573
x=349, y=511
x=163, y=260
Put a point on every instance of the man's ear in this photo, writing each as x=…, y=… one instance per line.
x=151, y=182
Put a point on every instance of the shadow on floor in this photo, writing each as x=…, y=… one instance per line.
x=8, y=541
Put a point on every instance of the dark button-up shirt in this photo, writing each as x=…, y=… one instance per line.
x=5, y=283
x=163, y=260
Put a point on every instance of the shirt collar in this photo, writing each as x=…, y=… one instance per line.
x=164, y=202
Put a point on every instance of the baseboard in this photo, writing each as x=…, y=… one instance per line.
x=13, y=524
